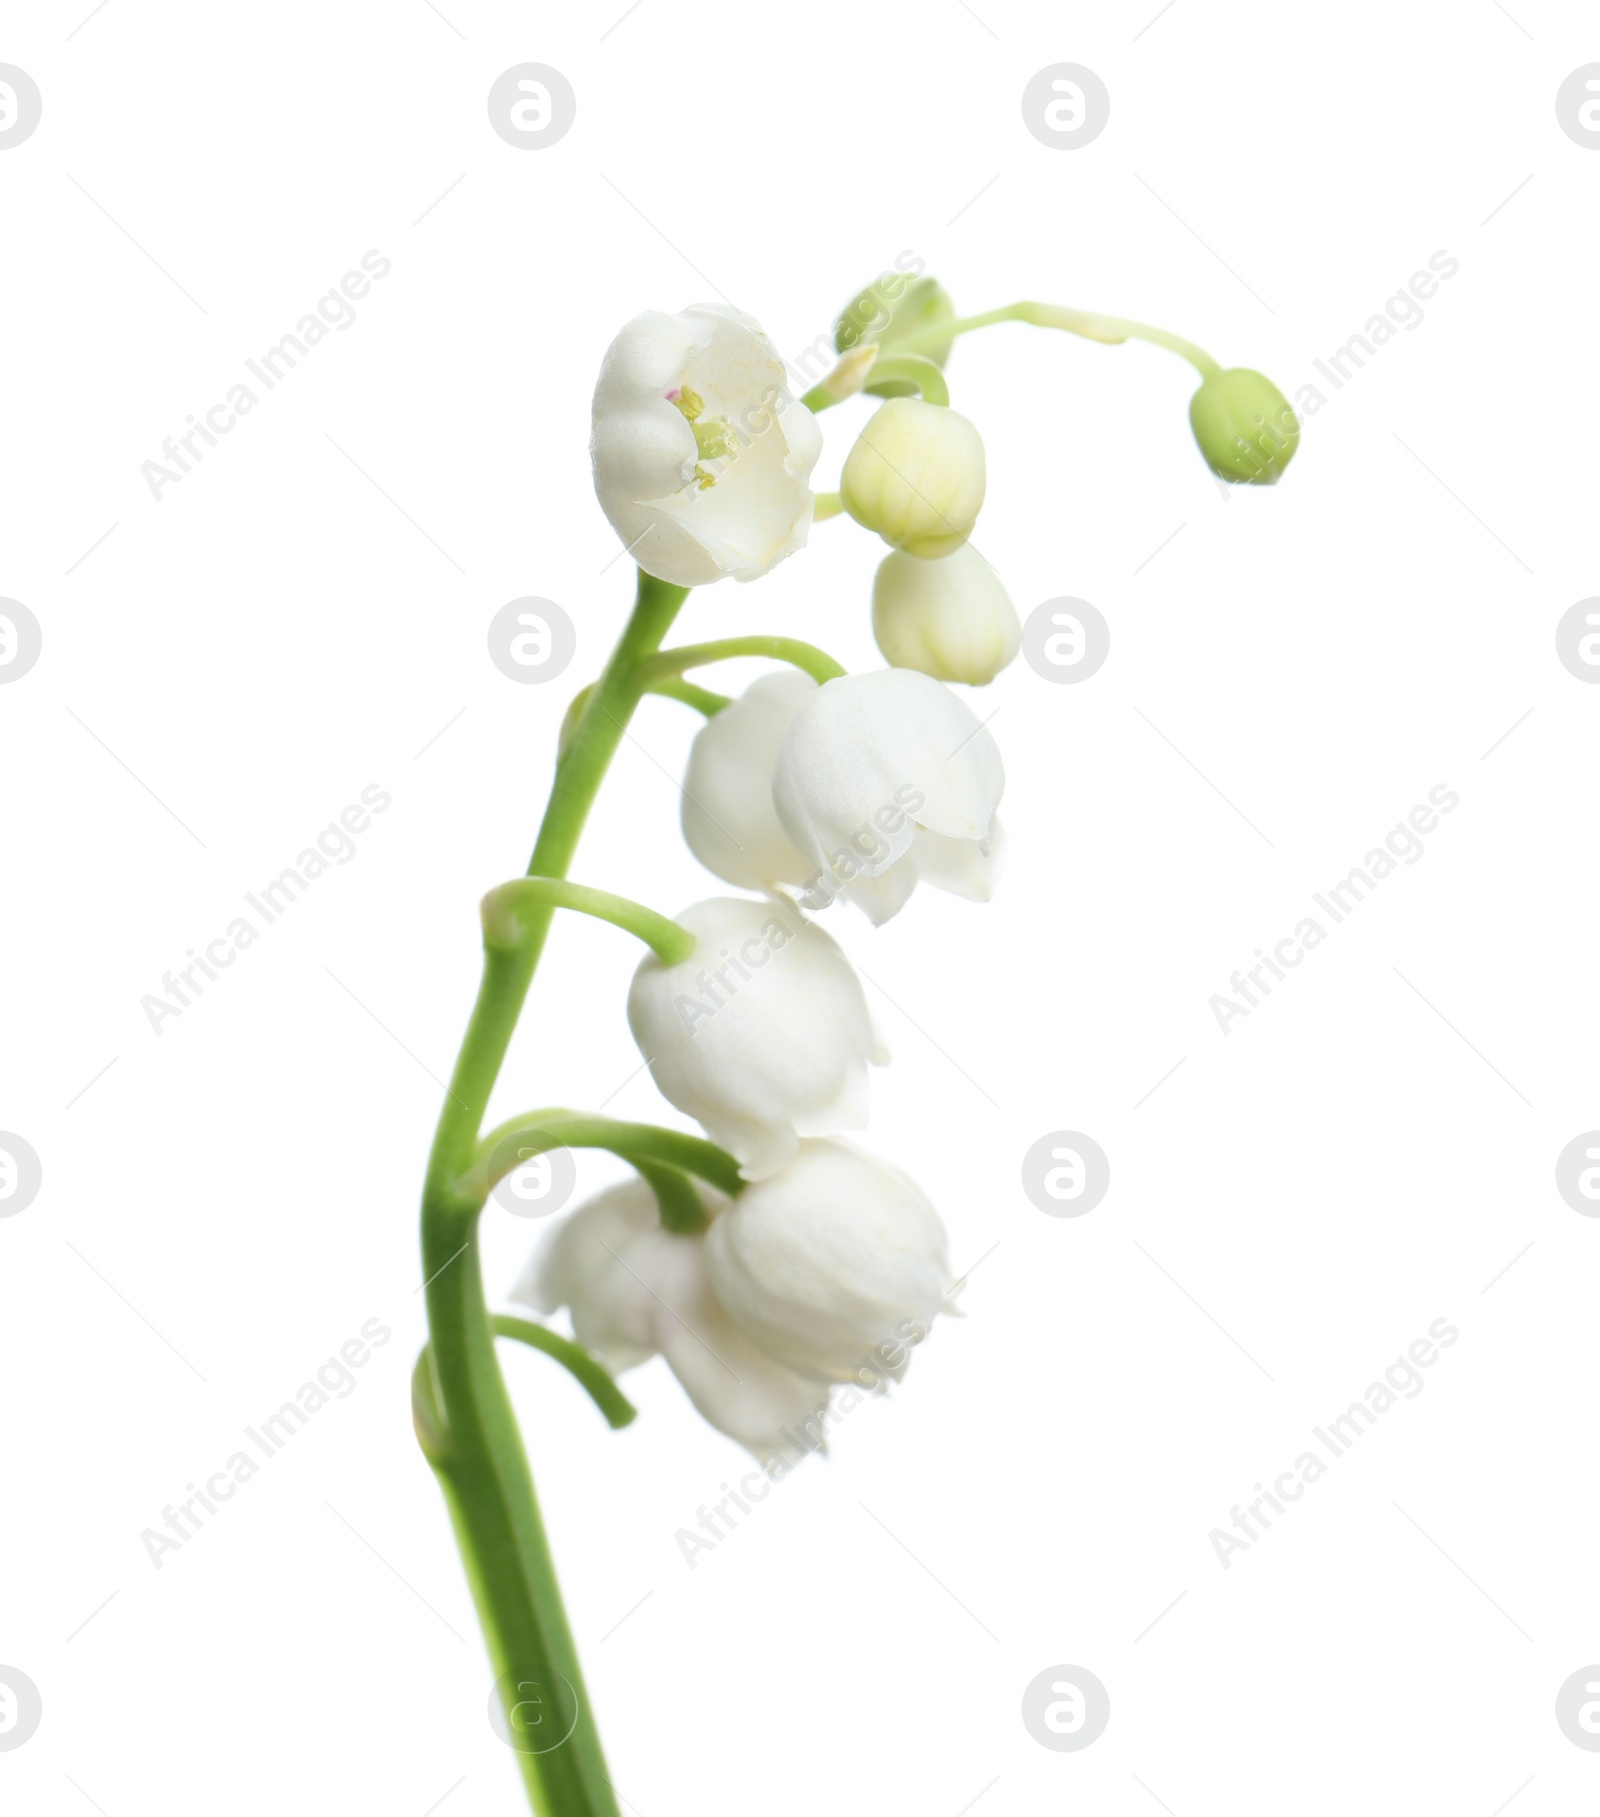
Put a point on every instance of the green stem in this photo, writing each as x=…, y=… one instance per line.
x=673, y=687
x=595, y=1381
x=465, y=1420
x=680, y=1207
x=1111, y=330
x=828, y=504
x=503, y=910
x=509, y=1144
x=703, y=700
x=915, y=369
x=817, y=663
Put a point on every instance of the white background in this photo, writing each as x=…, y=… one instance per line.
x=1361, y=1156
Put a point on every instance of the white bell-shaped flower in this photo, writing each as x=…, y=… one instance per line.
x=735, y=1385
x=969, y=868
x=761, y=1035
x=949, y=618
x=880, y=766
x=729, y=821
x=635, y=1291
x=576, y=1266
x=917, y=476
x=702, y=458
x=835, y=1266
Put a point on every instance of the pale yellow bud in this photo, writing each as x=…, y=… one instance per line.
x=950, y=618
x=916, y=476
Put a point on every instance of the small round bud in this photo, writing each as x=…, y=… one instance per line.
x=916, y=475
x=950, y=618
x=887, y=316
x=1245, y=426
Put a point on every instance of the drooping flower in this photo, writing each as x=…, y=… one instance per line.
x=830, y=1272
x=575, y=1267
x=949, y=618
x=761, y=1035
x=834, y=1266
x=729, y=822
x=702, y=458
x=635, y=1291
x=916, y=476
x=885, y=777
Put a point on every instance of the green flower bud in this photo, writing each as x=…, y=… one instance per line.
x=916, y=475
x=1245, y=426
x=877, y=315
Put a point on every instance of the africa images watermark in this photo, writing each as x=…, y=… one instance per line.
x=1402, y=1378
x=869, y=1380
x=269, y=903
x=1401, y=311
x=334, y=310
x=867, y=316
x=333, y=1379
x=1401, y=845
x=868, y=842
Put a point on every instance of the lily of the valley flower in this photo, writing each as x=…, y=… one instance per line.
x=830, y=1272
x=729, y=822
x=702, y=459
x=886, y=777
x=950, y=618
x=576, y=1267
x=916, y=475
x=762, y=1035
x=636, y=1291
x=732, y=823
x=837, y=1260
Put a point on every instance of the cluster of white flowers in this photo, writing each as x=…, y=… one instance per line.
x=830, y=1265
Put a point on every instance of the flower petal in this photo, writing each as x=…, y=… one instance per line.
x=872, y=757
x=729, y=821
x=969, y=868
x=579, y=1265
x=690, y=518
x=736, y=1386
x=763, y=1030
x=836, y=1266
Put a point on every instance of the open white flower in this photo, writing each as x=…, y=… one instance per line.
x=761, y=1035
x=886, y=777
x=636, y=1291
x=835, y=1266
x=729, y=821
x=949, y=618
x=702, y=459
